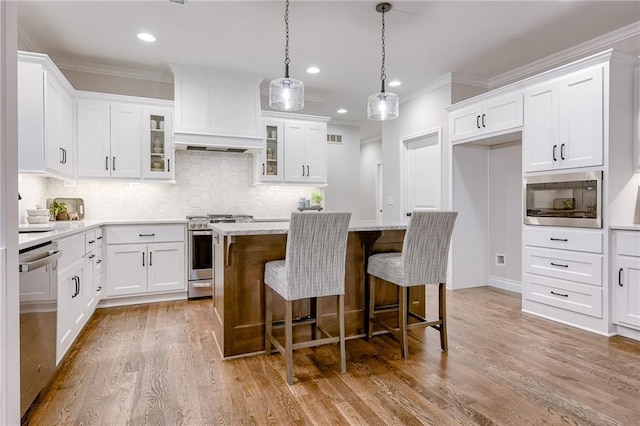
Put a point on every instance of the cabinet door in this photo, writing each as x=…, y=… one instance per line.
x=65, y=130
x=125, y=140
x=580, y=126
x=94, y=152
x=66, y=287
x=294, y=152
x=271, y=158
x=53, y=151
x=316, y=153
x=502, y=113
x=157, y=146
x=166, y=267
x=88, y=285
x=465, y=123
x=78, y=311
x=30, y=117
x=627, y=290
x=126, y=269
x=540, y=148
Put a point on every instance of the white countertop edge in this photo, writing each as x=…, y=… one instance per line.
x=626, y=227
x=272, y=228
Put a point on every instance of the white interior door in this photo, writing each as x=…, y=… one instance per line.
x=422, y=171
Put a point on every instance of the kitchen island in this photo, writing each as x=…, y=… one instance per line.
x=240, y=253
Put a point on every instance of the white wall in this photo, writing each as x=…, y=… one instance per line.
x=207, y=182
x=370, y=156
x=424, y=112
x=9, y=299
x=33, y=190
x=505, y=215
x=343, y=177
x=118, y=85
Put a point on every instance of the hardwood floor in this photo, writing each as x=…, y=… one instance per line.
x=158, y=364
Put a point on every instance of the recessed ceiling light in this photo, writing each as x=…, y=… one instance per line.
x=342, y=111
x=395, y=83
x=146, y=37
x=313, y=70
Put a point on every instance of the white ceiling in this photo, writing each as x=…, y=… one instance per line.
x=425, y=39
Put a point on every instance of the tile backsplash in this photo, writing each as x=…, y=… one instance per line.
x=207, y=182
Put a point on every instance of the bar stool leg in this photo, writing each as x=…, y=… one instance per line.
x=442, y=314
x=402, y=320
x=288, y=340
x=268, y=320
x=372, y=304
x=343, y=358
x=313, y=312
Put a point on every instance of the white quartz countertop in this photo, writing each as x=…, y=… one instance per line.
x=626, y=227
x=265, y=228
x=56, y=230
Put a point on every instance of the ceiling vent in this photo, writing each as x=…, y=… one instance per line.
x=334, y=138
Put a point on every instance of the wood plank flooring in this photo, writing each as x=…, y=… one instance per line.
x=157, y=364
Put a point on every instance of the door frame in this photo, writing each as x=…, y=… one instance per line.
x=379, y=194
x=403, y=142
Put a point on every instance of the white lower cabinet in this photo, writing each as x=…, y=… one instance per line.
x=626, y=279
x=145, y=259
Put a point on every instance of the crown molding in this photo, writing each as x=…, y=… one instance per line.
x=452, y=77
x=568, y=55
x=113, y=71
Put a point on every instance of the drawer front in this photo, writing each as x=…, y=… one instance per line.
x=628, y=243
x=72, y=250
x=90, y=241
x=563, y=238
x=584, y=299
x=98, y=263
x=566, y=265
x=125, y=234
x=99, y=238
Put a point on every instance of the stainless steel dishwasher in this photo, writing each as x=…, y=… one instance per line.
x=38, y=319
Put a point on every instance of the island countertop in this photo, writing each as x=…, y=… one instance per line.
x=273, y=228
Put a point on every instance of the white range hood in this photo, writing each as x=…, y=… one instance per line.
x=215, y=111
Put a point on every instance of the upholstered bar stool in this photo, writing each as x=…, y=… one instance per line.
x=423, y=261
x=314, y=266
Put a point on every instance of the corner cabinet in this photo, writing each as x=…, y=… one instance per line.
x=626, y=278
x=563, y=122
x=45, y=118
x=296, y=150
x=116, y=138
x=489, y=116
x=145, y=259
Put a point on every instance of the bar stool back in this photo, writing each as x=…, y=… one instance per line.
x=314, y=266
x=423, y=261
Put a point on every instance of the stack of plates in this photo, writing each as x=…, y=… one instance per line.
x=37, y=215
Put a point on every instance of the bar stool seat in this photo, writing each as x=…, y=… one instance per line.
x=314, y=266
x=423, y=261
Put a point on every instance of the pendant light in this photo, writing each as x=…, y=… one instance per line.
x=286, y=94
x=383, y=106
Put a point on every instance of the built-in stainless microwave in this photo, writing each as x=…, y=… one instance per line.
x=568, y=199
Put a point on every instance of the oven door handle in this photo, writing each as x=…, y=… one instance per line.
x=199, y=233
x=36, y=264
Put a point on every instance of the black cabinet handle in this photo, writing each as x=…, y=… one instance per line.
x=409, y=214
x=559, y=294
x=99, y=261
x=478, y=121
x=555, y=157
x=92, y=241
x=143, y=259
x=64, y=153
x=92, y=256
x=146, y=235
x=303, y=170
x=620, y=277
x=562, y=151
x=113, y=163
x=307, y=170
x=106, y=162
x=559, y=264
x=168, y=164
x=76, y=281
x=150, y=258
x=98, y=238
x=558, y=239
x=263, y=169
x=98, y=289
x=61, y=156
x=483, y=115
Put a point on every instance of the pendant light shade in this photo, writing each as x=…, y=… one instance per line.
x=383, y=106
x=286, y=94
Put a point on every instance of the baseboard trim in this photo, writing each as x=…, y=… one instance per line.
x=141, y=299
x=505, y=284
x=628, y=332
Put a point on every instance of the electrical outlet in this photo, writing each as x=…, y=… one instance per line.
x=135, y=185
x=501, y=260
x=390, y=201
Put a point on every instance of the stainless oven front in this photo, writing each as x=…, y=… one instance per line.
x=200, y=263
x=568, y=199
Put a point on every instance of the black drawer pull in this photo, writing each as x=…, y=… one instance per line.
x=98, y=289
x=92, y=241
x=559, y=264
x=99, y=238
x=92, y=256
x=559, y=294
x=558, y=239
x=555, y=157
x=620, y=277
x=99, y=261
x=147, y=235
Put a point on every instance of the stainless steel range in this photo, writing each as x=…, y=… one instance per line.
x=201, y=251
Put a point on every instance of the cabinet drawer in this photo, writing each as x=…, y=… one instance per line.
x=563, y=264
x=562, y=238
x=584, y=299
x=99, y=238
x=90, y=242
x=72, y=250
x=98, y=264
x=628, y=243
x=124, y=234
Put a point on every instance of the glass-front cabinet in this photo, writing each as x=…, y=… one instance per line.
x=270, y=161
x=157, y=157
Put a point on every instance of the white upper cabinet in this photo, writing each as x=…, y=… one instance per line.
x=216, y=111
x=157, y=146
x=45, y=118
x=563, y=122
x=270, y=161
x=489, y=116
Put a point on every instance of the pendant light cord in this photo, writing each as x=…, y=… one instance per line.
x=383, y=77
x=286, y=48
